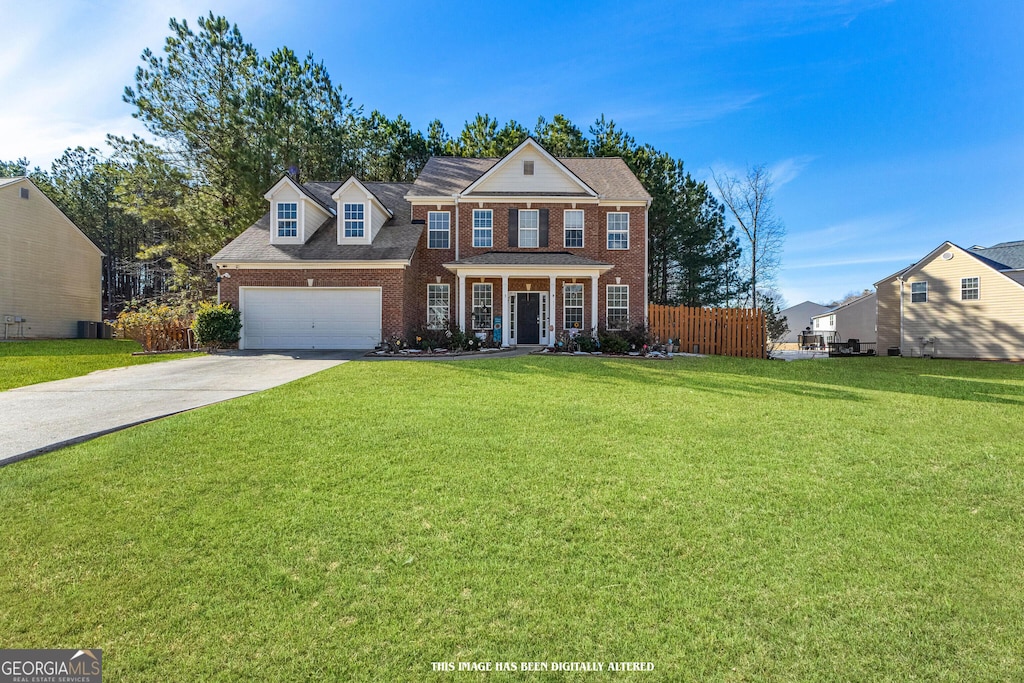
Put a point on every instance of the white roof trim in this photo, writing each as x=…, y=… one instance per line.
x=943, y=247
x=530, y=142
x=310, y=265
x=303, y=192
x=524, y=270
x=355, y=181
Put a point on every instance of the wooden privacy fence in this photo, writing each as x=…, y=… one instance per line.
x=716, y=331
x=169, y=336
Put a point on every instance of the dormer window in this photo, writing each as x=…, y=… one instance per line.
x=354, y=223
x=287, y=219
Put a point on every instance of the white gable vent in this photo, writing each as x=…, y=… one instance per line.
x=24, y=193
x=947, y=256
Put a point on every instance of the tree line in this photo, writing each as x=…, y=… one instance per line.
x=226, y=123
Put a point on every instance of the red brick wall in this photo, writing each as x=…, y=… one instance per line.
x=405, y=291
x=628, y=264
x=392, y=282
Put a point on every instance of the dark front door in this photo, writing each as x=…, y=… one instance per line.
x=528, y=318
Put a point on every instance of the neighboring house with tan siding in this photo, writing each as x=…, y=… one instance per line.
x=956, y=303
x=50, y=272
x=798, y=320
x=854, y=319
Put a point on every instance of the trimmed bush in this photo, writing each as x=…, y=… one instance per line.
x=217, y=325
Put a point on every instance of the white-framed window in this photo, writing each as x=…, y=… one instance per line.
x=618, y=230
x=482, y=306
x=438, y=306
x=970, y=289
x=354, y=223
x=483, y=228
x=617, y=305
x=573, y=225
x=831, y=321
x=919, y=292
x=438, y=229
x=572, y=306
x=287, y=219
x=529, y=227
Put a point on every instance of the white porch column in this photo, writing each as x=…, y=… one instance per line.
x=551, y=310
x=504, y=310
x=461, y=298
x=593, y=303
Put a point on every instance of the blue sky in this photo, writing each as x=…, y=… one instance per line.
x=890, y=126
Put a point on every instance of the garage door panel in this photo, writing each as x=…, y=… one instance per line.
x=319, y=318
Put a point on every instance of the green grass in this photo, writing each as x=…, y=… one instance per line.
x=30, y=362
x=733, y=520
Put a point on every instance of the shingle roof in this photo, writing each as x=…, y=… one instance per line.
x=445, y=176
x=608, y=176
x=8, y=181
x=1009, y=255
x=518, y=258
x=851, y=302
x=397, y=240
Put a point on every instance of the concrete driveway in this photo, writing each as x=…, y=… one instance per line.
x=43, y=417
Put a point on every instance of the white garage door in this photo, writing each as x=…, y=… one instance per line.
x=310, y=318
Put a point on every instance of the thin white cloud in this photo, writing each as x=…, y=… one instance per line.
x=835, y=263
x=694, y=112
x=64, y=67
x=788, y=170
x=850, y=231
x=783, y=171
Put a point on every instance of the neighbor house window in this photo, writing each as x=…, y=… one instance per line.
x=618, y=231
x=483, y=228
x=287, y=219
x=438, y=306
x=918, y=292
x=618, y=307
x=970, y=289
x=482, y=307
x=572, y=307
x=574, y=229
x=438, y=223
x=353, y=220
x=529, y=227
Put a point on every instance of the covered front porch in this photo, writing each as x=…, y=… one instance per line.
x=527, y=299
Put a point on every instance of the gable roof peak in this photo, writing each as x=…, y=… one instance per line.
x=531, y=142
x=353, y=180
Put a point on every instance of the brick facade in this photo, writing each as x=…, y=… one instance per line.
x=404, y=290
x=628, y=263
x=392, y=282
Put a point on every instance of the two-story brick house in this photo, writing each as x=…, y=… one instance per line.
x=521, y=248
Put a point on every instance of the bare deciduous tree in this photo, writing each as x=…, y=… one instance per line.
x=749, y=200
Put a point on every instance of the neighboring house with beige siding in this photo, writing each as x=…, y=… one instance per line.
x=50, y=272
x=854, y=319
x=956, y=303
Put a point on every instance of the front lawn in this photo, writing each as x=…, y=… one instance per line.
x=30, y=362
x=725, y=519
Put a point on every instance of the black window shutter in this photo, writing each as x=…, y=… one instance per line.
x=513, y=227
x=542, y=216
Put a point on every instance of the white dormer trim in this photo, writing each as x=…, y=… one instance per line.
x=352, y=191
x=535, y=146
x=302, y=201
x=336, y=195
